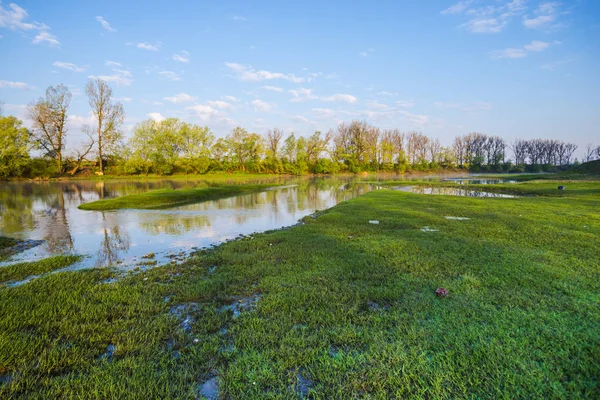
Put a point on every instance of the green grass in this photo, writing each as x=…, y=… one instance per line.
x=346, y=304
x=166, y=198
x=20, y=271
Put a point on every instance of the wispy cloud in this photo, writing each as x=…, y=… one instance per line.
x=545, y=17
x=554, y=65
x=367, y=52
x=220, y=104
x=304, y=94
x=120, y=77
x=112, y=64
x=470, y=107
x=272, y=88
x=205, y=112
x=105, y=24
x=486, y=19
x=170, y=75
x=145, y=46
x=16, y=85
x=247, y=73
x=181, y=98
x=458, y=8
x=513, y=53
x=46, y=37
x=69, y=66
x=182, y=57
x=239, y=18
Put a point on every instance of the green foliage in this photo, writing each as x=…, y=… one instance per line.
x=14, y=148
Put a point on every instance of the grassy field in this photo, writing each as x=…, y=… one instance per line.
x=335, y=308
x=166, y=198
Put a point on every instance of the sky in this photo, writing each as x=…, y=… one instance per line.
x=513, y=68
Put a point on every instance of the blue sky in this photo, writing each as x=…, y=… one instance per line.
x=515, y=68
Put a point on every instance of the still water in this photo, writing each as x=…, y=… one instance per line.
x=47, y=211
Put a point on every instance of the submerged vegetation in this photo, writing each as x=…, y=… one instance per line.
x=166, y=198
x=335, y=306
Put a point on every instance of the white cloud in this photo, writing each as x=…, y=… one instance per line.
x=246, y=73
x=170, y=75
x=120, y=77
x=376, y=105
x=157, y=103
x=219, y=104
x=239, y=18
x=14, y=18
x=537, y=45
x=260, y=105
x=552, y=66
x=272, y=88
x=488, y=25
x=181, y=98
x=508, y=53
x=513, y=53
x=475, y=106
x=145, y=46
x=547, y=13
x=366, y=53
x=340, y=97
x=69, y=66
x=16, y=85
x=458, y=8
x=46, y=37
x=324, y=112
x=301, y=119
x=182, y=57
x=124, y=99
x=205, y=112
x=405, y=103
x=156, y=116
x=387, y=94
x=230, y=98
x=415, y=119
x=112, y=64
x=105, y=24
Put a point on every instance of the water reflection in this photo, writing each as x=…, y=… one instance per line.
x=450, y=191
x=473, y=181
x=48, y=211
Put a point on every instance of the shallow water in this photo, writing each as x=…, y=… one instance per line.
x=47, y=211
x=479, y=181
x=450, y=191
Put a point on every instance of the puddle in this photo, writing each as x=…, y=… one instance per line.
x=428, y=229
x=209, y=390
x=21, y=246
x=108, y=354
x=451, y=192
x=243, y=304
x=183, y=312
x=303, y=385
x=5, y=379
x=376, y=306
x=457, y=218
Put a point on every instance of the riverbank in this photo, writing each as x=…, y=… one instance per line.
x=166, y=198
x=335, y=306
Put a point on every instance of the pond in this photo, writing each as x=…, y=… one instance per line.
x=47, y=212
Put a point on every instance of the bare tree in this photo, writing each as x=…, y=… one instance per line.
x=49, y=116
x=273, y=139
x=82, y=152
x=109, y=116
x=590, y=152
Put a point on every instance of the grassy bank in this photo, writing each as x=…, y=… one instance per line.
x=20, y=271
x=166, y=198
x=334, y=308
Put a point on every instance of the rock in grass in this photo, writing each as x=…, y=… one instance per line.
x=561, y=188
x=441, y=292
x=374, y=222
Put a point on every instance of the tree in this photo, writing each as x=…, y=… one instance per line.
x=109, y=116
x=49, y=116
x=14, y=147
x=194, y=144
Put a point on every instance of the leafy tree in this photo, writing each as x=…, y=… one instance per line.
x=194, y=144
x=14, y=147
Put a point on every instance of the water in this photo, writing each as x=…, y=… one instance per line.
x=47, y=211
x=450, y=191
x=478, y=181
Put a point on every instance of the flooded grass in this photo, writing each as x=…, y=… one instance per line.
x=346, y=308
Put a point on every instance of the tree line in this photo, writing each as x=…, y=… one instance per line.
x=174, y=146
